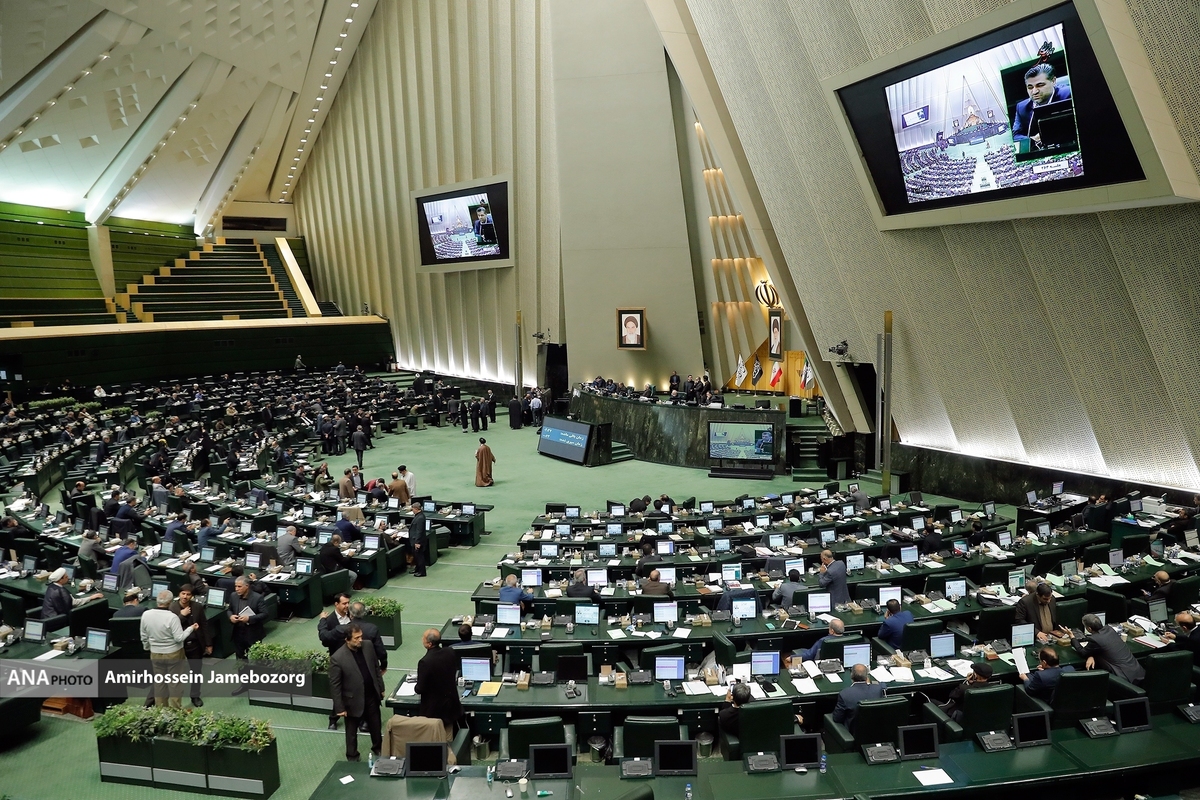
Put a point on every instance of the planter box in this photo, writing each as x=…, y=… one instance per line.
x=180, y=765
x=226, y=771
x=123, y=761
x=241, y=773
x=390, y=630
x=319, y=702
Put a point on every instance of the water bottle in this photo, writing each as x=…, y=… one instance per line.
x=824, y=766
x=371, y=761
x=687, y=792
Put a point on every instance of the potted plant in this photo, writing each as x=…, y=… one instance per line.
x=267, y=654
x=187, y=750
x=384, y=613
x=124, y=740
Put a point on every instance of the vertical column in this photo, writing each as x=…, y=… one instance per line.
x=100, y=249
x=885, y=418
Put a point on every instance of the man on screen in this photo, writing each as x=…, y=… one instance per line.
x=482, y=219
x=1042, y=87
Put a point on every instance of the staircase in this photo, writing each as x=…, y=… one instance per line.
x=804, y=450
x=221, y=282
x=620, y=452
x=329, y=308
x=271, y=254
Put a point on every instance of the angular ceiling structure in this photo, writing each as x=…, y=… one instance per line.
x=166, y=110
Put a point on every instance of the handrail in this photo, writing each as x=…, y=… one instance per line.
x=297, y=277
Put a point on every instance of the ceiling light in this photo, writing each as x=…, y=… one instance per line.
x=324, y=86
x=337, y=49
x=354, y=5
x=343, y=35
x=297, y=158
x=303, y=140
x=299, y=149
x=333, y=62
x=315, y=110
x=284, y=191
x=349, y=19
x=312, y=120
x=328, y=74
x=319, y=99
x=51, y=103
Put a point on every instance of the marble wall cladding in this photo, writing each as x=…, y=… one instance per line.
x=668, y=434
x=976, y=479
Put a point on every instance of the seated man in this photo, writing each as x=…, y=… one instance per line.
x=1103, y=648
x=579, y=587
x=654, y=586
x=836, y=628
x=895, y=618
x=1188, y=637
x=981, y=673
x=1042, y=682
x=1039, y=607
x=348, y=530
x=332, y=560
x=511, y=592
x=860, y=689
x=1162, y=587
x=786, y=591
x=729, y=714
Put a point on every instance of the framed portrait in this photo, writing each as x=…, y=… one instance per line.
x=631, y=329
x=775, y=334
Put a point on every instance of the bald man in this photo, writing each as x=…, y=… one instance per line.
x=1162, y=587
x=833, y=578
x=437, y=674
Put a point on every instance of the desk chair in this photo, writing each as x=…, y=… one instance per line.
x=647, y=655
x=549, y=653
x=1184, y=593
x=860, y=591
x=1135, y=543
x=474, y=650
x=726, y=651
x=937, y=582
x=93, y=614
x=1114, y=606
x=519, y=657
x=127, y=635
x=566, y=605
x=13, y=609
x=520, y=733
x=1095, y=554
x=727, y=598
x=556, y=508
x=644, y=603
x=636, y=738
x=332, y=583
x=87, y=568
x=760, y=724
x=1168, y=682
x=1070, y=612
x=1049, y=561
x=1079, y=695
x=833, y=646
x=995, y=623
x=875, y=721
x=985, y=708
x=915, y=636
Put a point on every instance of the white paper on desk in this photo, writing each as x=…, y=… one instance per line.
x=1178, y=561
x=1151, y=561
x=749, y=526
x=499, y=633
x=945, y=605
x=1107, y=580
x=932, y=777
x=407, y=689
x=825, y=617
x=935, y=673
x=1054, y=580
x=756, y=691
x=1186, y=554
x=614, y=562
x=1036, y=542
x=695, y=688
x=552, y=592
x=805, y=685
x=741, y=671
x=1106, y=569
x=607, y=591
x=652, y=635
x=960, y=665
x=616, y=633
x=477, y=630
x=903, y=675
x=900, y=568
x=346, y=779
x=795, y=523
x=934, y=564
x=638, y=633
x=49, y=654
x=882, y=675
x=682, y=633
x=1011, y=600
x=833, y=677
x=693, y=558
x=720, y=690
x=1150, y=640
x=214, y=568
x=812, y=669
x=1020, y=661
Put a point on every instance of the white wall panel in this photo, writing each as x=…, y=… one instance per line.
x=438, y=93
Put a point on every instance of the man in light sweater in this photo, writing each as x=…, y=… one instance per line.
x=163, y=637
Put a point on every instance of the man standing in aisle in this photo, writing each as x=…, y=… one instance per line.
x=418, y=538
x=356, y=685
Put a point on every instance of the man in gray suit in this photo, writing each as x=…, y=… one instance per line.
x=286, y=548
x=356, y=684
x=1103, y=648
x=833, y=578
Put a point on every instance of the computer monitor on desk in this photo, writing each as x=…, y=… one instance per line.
x=1023, y=636
x=956, y=516
x=665, y=548
x=941, y=645
x=706, y=506
x=776, y=541
x=1031, y=497
x=853, y=654
x=909, y=555
x=1056, y=488
x=613, y=529
x=571, y=512
x=887, y=593
x=666, y=574
x=669, y=668
x=531, y=577
x=549, y=550
x=562, y=530
x=744, y=608
x=477, y=669
x=731, y=572
x=587, y=615
x=508, y=614
x=989, y=508
x=819, y=603
x=666, y=612
x=854, y=562
x=597, y=577
x=616, y=510
x=764, y=662
x=956, y=588
x=807, y=516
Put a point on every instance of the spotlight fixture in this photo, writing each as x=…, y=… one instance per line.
x=840, y=349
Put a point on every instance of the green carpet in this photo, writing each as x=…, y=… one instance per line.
x=443, y=461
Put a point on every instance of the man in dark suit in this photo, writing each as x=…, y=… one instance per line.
x=247, y=613
x=1103, y=648
x=580, y=588
x=418, y=539
x=1188, y=637
x=1042, y=682
x=332, y=560
x=654, y=586
x=859, y=689
x=437, y=674
x=1162, y=587
x=356, y=685
x=1039, y=608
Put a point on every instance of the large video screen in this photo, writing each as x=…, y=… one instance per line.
x=750, y=441
x=564, y=438
x=464, y=225
x=1022, y=110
